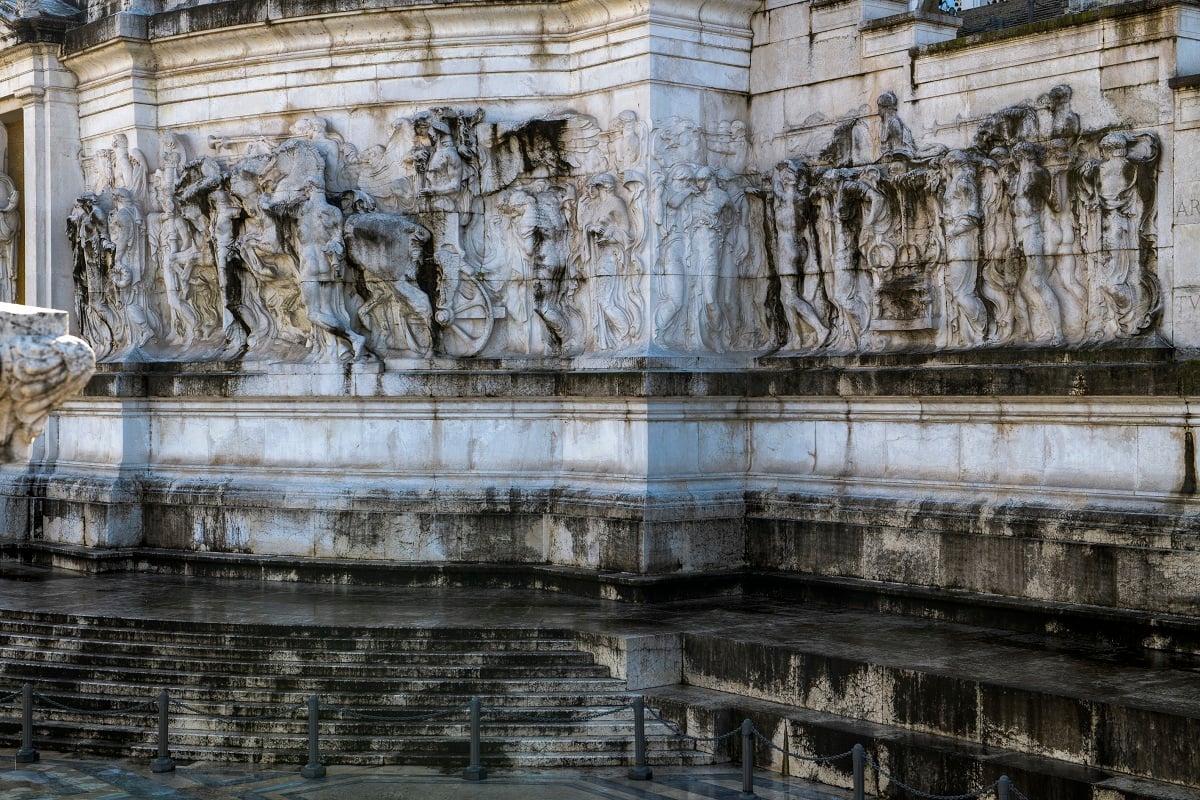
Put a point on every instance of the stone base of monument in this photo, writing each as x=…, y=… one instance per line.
x=945, y=706
x=1036, y=475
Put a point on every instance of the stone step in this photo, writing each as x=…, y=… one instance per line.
x=579, y=666
x=345, y=721
x=933, y=764
x=456, y=758
x=107, y=696
x=286, y=637
x=1017, y=692
x=354, y=651
x=231, y=633
x=464, y=681
x=433, y=747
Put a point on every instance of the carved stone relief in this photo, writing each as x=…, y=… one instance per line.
x=1039, y=233
x=461, y=237
x=40, y=368
x=456, y=237
x=10, y=227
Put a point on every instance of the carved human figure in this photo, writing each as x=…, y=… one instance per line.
x=224, y=213
x=627, y=143
x=444, y=170
x=877, y=229
x=316, y=130
x=729, y=147
x=178, y=255
x=271, y=304
x=680, y=141
x=10, y=230
x=127, y=231
x=845, y=199
x=964, y=314
x=673, y=216
x=397, y=314
x=713, y=217
x=1064, y=123
x=130, y=170
x=321, y=254
x=101, y=167
x=1065, y=278
x=795, y=255
x=1113, y=189
x=376, y=174
x=206, y=204
x=849, y=145
x=95, y=299
x=1029, y=191
x=547, y=245
x=894, y=135
x=998, y=276
x=608, y=234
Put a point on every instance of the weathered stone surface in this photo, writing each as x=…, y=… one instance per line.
x=40, y=368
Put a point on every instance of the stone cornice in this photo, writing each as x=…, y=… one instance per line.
x=1129, y=373
x=561, y=19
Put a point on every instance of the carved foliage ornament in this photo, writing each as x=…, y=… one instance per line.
x=40, y=368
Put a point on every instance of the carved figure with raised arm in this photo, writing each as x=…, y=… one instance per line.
x=1029, y=191
x=607, y=228
x=795, y=256
x=964, y=320
x=1116, y=189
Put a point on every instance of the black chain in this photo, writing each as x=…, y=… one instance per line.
x=675, y=729
x=350, y=712
x=273, y=715
x=506, y=715
x=110, y=713
x=927, y=795
x=813, y=759
x=8, y=697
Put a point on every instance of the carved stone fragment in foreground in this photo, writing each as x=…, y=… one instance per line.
x=41, y=367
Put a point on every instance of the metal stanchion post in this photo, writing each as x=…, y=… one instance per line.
x=314, y=768
x=747, y=792
x=164, y=762
x=475, y=772
x=27, y=754
x=859, y=757
x=1004, y=788
x=639, y=771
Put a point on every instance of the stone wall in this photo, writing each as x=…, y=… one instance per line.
x=811, y=287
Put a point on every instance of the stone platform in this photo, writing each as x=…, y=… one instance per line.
x=945, y=706
x=61, y=776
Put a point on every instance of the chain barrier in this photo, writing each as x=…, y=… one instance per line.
x=501, y=715
x=926, y=795
x=275, y=715
x=675, y=729
x=110, y=713
x=813, y=759
x=510, y=715
x=349, y=712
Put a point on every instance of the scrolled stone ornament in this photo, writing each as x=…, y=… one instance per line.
x=41, y=367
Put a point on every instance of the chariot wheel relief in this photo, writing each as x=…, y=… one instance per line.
x=468, y=327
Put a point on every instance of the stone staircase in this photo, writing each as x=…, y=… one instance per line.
x=948, y=708
x=240, y=692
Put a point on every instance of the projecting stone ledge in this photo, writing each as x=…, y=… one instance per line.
x=41, y=366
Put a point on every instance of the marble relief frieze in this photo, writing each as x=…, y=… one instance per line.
x=463, y=236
